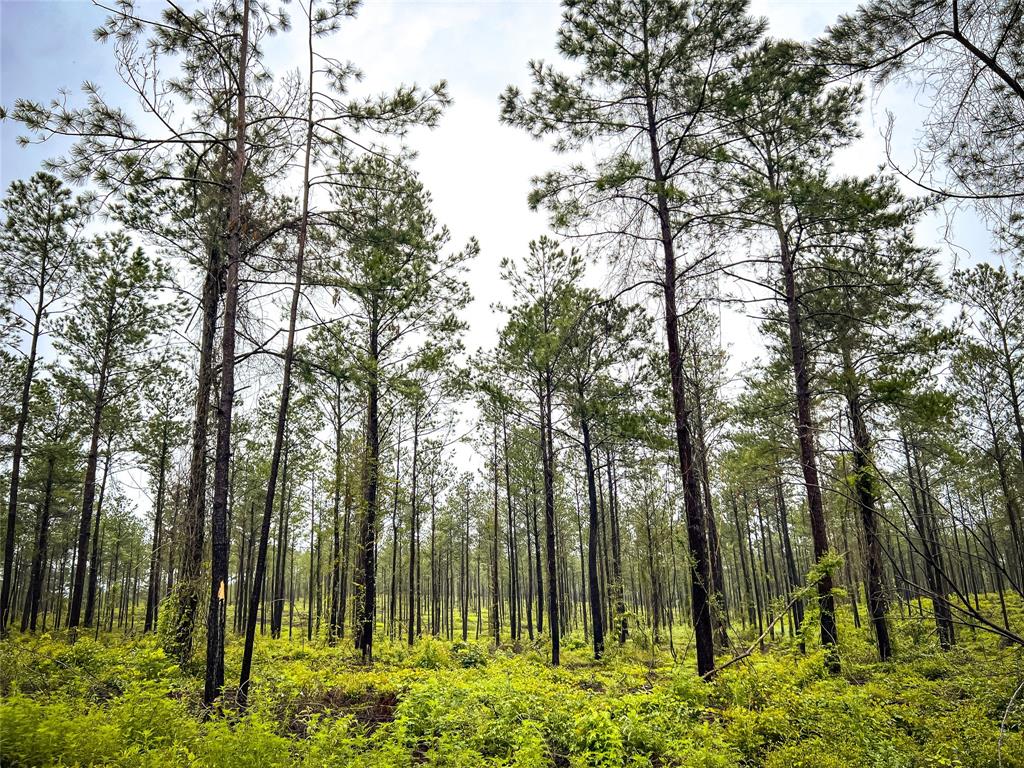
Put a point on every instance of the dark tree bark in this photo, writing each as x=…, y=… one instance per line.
x=617, y=585
x=335, y=629
x=464, y=573
x=393, y=603
x=345, y=546
x=720, y=608
x=866, y=502
x=548, y=465
x=153, y=592
x=787, y=554
x=584, y=592
x=538, y=563
x=189, y=581
x=495, y=611
x=16, y=454
x=924, y=524
x=88, y=495
x=513, y=555
x=805, y=436
x=414, y=529
x=280, y=551
x=366, y=565
x=594, y=522
x=216, y=617
x=700, y=572
x=35, y=585
x=97, y=552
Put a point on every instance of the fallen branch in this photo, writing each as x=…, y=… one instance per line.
x=771, y=624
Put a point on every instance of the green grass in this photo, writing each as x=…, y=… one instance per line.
x=123, y=702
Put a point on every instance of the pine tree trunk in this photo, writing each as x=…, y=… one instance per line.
x=16, y=453
x=153, y=592
x=805, y=436
x=97, y=552
x=618, y=586
x=700, y=572
x=35, y=587
x=866, y=501
x=547, y=460
x=88, y=496
x=594, y=522
x=366, y=567
x=513, y=554
x=189, y=581
x=216, y=616
x=495, y=617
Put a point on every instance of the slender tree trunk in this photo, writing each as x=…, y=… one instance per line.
x=700, y=572
x=16, y=452
x=587, y=604
x=538, y=563
x=929, y=546
x=366, y=579
x=413, y=528
x=513, y=555
x=345, y=544
x=805, y=435
x=35, y=587
x=618, y=585
x=594, y=539
x=88, y=496
x=547, y=458
x=866, y=501
x=435, y=569
x=312, y=574
x=216, y=617
x=495, y=612
x=97, y=553
x=153, y=592
x=527, y=508
x=787, y=553
x=1012, y=515
x=464, y=574
x=741, y=545
x=189, y=580
x=720, y=608
x=280, y=550
x=335, y=629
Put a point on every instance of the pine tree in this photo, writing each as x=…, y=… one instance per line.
x=39, y=243
x=641, y=96
x=403, y=287
x=107, y=347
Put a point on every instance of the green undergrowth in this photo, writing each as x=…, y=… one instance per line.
x=124, y=702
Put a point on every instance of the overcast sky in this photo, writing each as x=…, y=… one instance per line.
x=477, y=170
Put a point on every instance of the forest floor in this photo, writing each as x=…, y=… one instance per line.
x=123, y=702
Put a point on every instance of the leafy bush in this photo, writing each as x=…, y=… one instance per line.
x=124, y=702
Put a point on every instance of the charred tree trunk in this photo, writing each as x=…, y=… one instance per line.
x=217, y=614
x=366, y=578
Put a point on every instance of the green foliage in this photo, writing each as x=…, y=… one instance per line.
x=125, y=703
